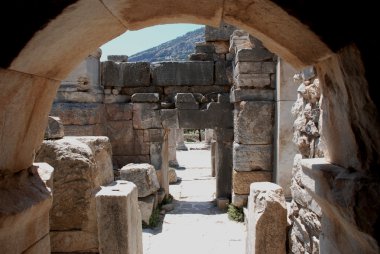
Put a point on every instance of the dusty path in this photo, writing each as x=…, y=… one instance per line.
x=195, y=226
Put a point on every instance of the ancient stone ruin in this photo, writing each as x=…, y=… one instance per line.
x=291, y=100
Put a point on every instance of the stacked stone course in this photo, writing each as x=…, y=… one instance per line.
x=253, y=96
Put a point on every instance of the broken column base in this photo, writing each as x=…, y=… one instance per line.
x=24, y=212
x=119, y=219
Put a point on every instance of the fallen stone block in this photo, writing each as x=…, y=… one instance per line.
x=143, y=175
x=267, y=222
x=119, y=219
x=82, y=165
x=146, y=206
x=54, y=129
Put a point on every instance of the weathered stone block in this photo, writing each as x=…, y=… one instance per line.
x=253, y=55
x=266, y=229
x=216, y=115
x=118, y=98
x=143, y=175
x=223, y=71
x=255, y=68
x=221, y=47
x=239, y=200
x=73, y=241
x=117, y=58
x=153, y=135
x=351, y=194
x=79, y=113
x=80, y=97
x=81, y=165
x=156, y=155
x=254, y=122
x=125, y=74
x=146, y=206
x=222, y=33
x=169, y=118
x=182, y=73
x=121, y=160
x=121, y=135
x=171, y=91
x=252, y=157
x=110, y=74
x=54, y=129
x=119, y=219
x=145, y=97
x=40, y=247
x=251, y=95
x=253, y=80
x=201, y=57
x=85, y=130
x=172, y=175
x=24, y=211
x=146, y=116
x=242, y=180
x=119, y=112
x=202, y=47
x=185, y=101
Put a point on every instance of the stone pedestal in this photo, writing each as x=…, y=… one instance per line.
x=180, y=140
x=119, y=219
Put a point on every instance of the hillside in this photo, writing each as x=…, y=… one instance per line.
x=174, y=50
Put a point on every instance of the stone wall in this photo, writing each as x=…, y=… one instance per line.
x=138, y=100
x=305, y=213
x=253, y=97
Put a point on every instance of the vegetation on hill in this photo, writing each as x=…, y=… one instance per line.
x=175, y=50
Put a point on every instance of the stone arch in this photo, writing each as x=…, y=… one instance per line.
x=83, y=26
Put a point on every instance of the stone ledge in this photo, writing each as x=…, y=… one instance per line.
x=349, y=200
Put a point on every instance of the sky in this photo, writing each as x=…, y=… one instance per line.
x=132, y=42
